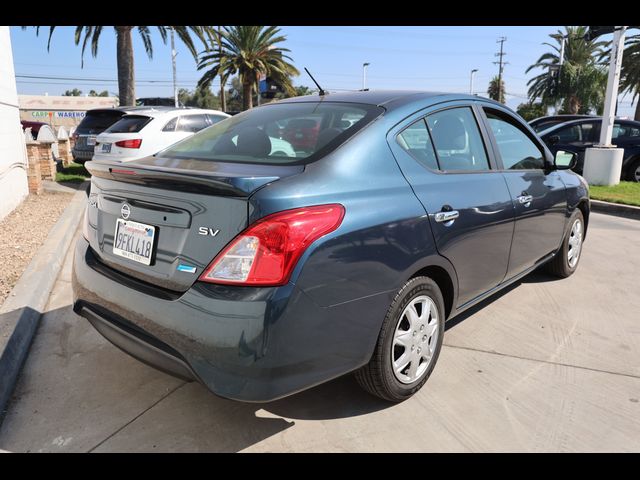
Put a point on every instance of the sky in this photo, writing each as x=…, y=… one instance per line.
x=400, y=57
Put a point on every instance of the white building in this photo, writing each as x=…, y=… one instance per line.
x=13, y=154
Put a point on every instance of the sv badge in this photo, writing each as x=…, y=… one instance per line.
x=207, y=231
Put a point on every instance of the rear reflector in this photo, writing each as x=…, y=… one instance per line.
x=135, y=143
x=267, y=251
x=122, y=171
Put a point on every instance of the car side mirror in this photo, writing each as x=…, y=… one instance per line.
x=565, y=160
x=554, y=139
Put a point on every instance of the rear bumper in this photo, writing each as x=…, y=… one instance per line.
x=82, y=154
x=248, y=344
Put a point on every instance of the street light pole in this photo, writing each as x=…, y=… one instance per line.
x=473, y=72
x=364, y=75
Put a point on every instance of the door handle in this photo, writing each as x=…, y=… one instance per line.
x=447, y=217
x=525, y=199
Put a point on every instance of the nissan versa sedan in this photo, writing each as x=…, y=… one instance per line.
x=261, y=274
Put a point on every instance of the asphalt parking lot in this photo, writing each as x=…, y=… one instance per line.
x=547, y=365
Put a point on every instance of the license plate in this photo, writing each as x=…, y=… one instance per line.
x=106, y=148
x=91, y=140
x=134, y=241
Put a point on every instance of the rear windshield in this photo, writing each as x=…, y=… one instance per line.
x=97, y=122
x=129, y=124
x=284, y=133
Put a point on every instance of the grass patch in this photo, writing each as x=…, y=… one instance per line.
x=75, y=173
x=627, y=193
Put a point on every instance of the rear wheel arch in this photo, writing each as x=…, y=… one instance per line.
x=445, y=283
x=583, y=205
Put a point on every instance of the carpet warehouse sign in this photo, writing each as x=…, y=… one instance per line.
x=38, y=115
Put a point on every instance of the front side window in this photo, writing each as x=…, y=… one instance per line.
x=416, y=141
x=517, y=150
x=457, y=140
x=623, y=132
x=281, y=133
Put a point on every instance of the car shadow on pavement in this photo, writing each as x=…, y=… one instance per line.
x=77, y=392
x=536, y=276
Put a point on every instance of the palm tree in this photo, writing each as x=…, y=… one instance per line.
x=126, y=78
x=580, y=82
x=249, y=52
x=494, y=92
x=630, y=71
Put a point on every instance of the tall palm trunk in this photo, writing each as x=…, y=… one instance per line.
x=223, y=97
x=126, y=76
x=247, y=95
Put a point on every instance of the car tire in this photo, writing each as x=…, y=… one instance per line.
x=379, y=376
x=633, y=172
x=562, y=264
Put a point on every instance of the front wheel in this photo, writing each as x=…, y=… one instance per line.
x=409, y=342
x=566, y=260
x=633, y=172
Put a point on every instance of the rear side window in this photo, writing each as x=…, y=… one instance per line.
x=192, y=123
x=517, y=150
x=215, y=118
x=97, y=122
x=129, y=124
x=280, y=133
x=457, y=140
x=416, y=141
x=170, y=125
x=621, y=131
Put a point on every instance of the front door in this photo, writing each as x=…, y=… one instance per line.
x=538, y=194
x=470, y=211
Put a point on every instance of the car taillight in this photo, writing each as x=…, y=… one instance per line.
x=267, y=251
x=129, y=143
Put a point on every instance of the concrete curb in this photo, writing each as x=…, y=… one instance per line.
x=21, y=311
x=618, y=209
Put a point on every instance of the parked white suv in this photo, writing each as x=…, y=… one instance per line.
x=145, y=132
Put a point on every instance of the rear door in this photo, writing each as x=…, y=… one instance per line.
x=444, y=158
x=538, y=193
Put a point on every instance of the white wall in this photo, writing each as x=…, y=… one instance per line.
x=13, y=155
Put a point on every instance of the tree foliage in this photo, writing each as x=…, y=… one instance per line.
x=248, y=52
x=497, y=93
x=529, y=111
x=580, y=83
x=630, y=72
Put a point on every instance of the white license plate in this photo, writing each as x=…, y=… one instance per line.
x=106, y=148
x=134, y=240
x=91, y=140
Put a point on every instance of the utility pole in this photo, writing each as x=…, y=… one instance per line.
x=501, y=64
x=173, y=61
x=364, y=75
x=473, y=72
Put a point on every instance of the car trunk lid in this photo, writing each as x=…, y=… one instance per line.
x=195, y=208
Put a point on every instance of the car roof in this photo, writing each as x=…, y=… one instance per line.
x=374, y=97
x=579, y=121
x=154, y=111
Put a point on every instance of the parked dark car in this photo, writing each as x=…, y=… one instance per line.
x=578, y=135
x=94, y=122
x=542, y=123
x=261, y=275
x=35, y=126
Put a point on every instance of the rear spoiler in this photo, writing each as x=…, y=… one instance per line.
x=204, y=176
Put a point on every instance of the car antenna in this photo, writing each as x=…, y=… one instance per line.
x=320, y=90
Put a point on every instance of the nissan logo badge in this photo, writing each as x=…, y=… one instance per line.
x=125, y=211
